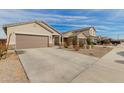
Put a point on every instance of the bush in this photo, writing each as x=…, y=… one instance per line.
x=105, y=41
x=89, y=42
x=99, y=41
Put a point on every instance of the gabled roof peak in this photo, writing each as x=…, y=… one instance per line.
x=80, y=30
x=34, y=21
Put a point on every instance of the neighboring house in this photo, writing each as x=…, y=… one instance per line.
x=34, y=34
x=104, y=40
x=101, y=38
x=79, y=36
x=97, y=39
x=2, y=42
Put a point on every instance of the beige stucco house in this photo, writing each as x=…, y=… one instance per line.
x=79, y=36
x=34, y=34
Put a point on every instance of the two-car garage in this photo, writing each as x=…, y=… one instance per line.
x=31, y=41
x=34, y=34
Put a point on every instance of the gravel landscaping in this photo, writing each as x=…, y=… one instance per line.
x=96, y=51
x=11, y=69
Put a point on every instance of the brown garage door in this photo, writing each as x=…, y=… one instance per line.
x=31, y=41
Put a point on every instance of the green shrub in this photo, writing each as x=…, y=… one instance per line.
x=89, y=41
x=105, y=41
x=99, y=41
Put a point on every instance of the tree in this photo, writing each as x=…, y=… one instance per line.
x=90, y=43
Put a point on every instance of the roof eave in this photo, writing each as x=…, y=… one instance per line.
x=38, y=22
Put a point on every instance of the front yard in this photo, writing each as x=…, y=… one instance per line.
x=96, y=51
x=49, y=61
x=11, y=69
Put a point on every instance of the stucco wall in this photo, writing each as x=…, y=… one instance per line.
x=54, y=32
x=32, y=28
x=92, y=32
x=86, y=32
x=67, y=34
x=81, y=35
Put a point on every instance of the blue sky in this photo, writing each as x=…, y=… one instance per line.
x=108, y=23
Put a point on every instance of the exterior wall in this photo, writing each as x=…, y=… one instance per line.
x=67, y=34
x=55, y=39
x=54, y=32
x=86, y=32
x=92, y=32
x=82, y=40
x=81, y=35
x=32, y=28
x=71, y=41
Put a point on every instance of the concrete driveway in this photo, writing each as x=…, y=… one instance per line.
x=109, y=69
x=53, y=65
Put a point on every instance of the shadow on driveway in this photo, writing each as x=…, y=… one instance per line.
x=120, y=61
x=19, y=52
x=121, y=53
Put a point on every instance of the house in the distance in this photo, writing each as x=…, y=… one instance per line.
x=34, y=34
x=79, y=36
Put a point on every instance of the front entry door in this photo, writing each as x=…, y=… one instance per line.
x=56, y=40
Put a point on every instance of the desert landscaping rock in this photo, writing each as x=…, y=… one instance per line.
x=96, y=51
x=11, y=70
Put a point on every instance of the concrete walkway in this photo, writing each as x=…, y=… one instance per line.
x=109, y=68
x=53, y=65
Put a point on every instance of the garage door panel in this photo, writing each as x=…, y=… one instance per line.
x=44, y=41
x=31, y=41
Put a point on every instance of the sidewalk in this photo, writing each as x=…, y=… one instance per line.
x=109, y=68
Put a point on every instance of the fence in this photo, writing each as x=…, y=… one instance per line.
x=2, y=44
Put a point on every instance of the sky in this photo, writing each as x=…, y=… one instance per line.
x=109, y=23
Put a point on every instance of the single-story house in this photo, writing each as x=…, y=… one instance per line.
x=2, y=42
x=79, y=36
x=34, y=34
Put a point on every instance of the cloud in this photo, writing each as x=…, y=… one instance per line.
x=105, y=21
x=102, y=27
x=73, y=25
x=13, y=16
x=18, y=15
x=119, y=14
